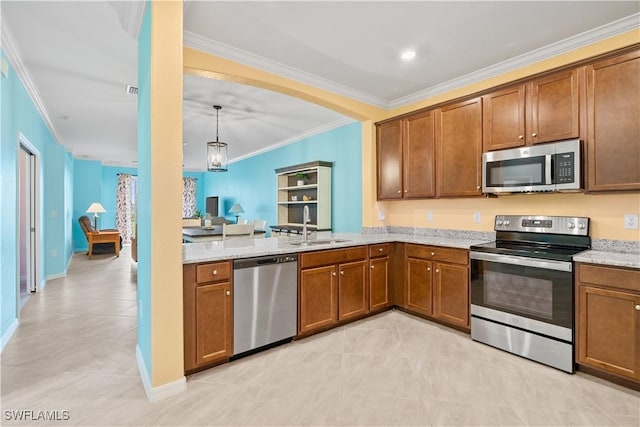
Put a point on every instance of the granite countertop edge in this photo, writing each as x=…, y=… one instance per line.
x=220, y=250
x=615, y=259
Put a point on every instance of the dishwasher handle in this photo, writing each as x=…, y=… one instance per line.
x=263, y=261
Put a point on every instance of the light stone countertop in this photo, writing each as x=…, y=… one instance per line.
x=247, y=248
x=618, y=259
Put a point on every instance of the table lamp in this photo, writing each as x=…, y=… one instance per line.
x=236, y=209
x=95, y=209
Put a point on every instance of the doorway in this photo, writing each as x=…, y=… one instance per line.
x=27, y=208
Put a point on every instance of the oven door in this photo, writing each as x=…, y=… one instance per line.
x=529, y=293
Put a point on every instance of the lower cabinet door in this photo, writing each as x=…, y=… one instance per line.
x=318, y=298
x=214, y=323
x=353, y=298
x=609, y=330
x=451, y=294
x=418, y=285
x=378, y=283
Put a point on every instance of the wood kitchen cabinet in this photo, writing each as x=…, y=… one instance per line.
x=437, y=283
x=613, y=131
x=379, y=290
x=542, y=110
x=608, y=319
x=208, y=315
x=333, y=287
x=405, y=157
x=459, y=149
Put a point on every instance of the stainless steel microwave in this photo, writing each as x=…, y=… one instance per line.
x=541, y=168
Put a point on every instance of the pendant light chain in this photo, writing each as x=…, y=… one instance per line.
x=217, y=151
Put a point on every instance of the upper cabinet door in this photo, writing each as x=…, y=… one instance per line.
x=389, y=154
x=613, y=136
x=503, y=118
x=418, y=156
x=553, y=108
x=459, y=149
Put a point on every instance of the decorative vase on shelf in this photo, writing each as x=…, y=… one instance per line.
x=300, y=182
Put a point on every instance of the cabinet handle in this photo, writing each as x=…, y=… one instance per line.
x=428, y=268
x=638, y=307
x=214, y=272
x=372, y=267
x=433, y=253
x=477, y=187
x=399, y=191
x=379, y=249
x=437, y=270
x=333, y=274
x=406, y=191
x=342, y=273
x=228, y=292
x=534, y=134
x=520, y=137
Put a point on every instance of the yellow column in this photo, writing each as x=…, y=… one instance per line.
x=166, y=193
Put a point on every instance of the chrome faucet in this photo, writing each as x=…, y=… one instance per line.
x=305, y=219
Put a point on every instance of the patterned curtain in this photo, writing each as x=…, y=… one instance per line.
x=123, y=207
x=188, y=197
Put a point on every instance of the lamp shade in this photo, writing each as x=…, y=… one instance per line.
x=236, y=209
x=217, y=156
x=96, y=208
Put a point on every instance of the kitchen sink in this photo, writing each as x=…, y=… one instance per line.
x=319, y=242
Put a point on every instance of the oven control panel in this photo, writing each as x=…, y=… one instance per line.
x=543, y=224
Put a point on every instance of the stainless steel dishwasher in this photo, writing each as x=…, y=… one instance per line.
x=265, y=301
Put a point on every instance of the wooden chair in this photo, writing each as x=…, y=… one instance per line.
x=237, y=230
x=100, y=241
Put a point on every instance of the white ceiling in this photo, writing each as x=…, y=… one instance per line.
x=79, y=56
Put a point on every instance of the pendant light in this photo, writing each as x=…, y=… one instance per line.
x=217, y=151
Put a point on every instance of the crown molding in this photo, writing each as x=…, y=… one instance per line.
x=306, y=134
x=130, y=14
x=12, y=52
x=223, y=50
x=586, y=38
x=572, y=43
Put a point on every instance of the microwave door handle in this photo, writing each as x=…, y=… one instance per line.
x=547, y=169
x=546, y=264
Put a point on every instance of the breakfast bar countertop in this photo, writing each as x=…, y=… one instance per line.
x=247, y=248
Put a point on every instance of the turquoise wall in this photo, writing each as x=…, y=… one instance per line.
x=252, y=181
x=87, y=188
x=20, y=117
x=93, y=182
x=144, y=191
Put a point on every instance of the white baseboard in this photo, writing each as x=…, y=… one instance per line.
x=160, y=392
x=56, y=276
x=8, y=334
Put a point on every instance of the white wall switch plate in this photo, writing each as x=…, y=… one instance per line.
x=631, y=221
x=477, y=217
x=429, y=216
x=380, y=215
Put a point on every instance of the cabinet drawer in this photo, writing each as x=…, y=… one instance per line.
x=380, y=250
x=438, y=253
x=337, y=256
x=609, y=276
x=213, y=272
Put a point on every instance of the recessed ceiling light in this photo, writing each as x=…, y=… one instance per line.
x=408, y=55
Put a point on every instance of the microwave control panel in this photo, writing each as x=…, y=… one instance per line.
x=564, y=168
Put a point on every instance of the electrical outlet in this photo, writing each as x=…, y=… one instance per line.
x=631, y=221
x=476, y=217
x=429, y=216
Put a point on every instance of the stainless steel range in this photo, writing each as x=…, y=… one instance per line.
x=522, y=287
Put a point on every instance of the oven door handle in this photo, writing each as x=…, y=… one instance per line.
x=546, y=264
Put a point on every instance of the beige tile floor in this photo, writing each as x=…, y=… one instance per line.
x=75, y=351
